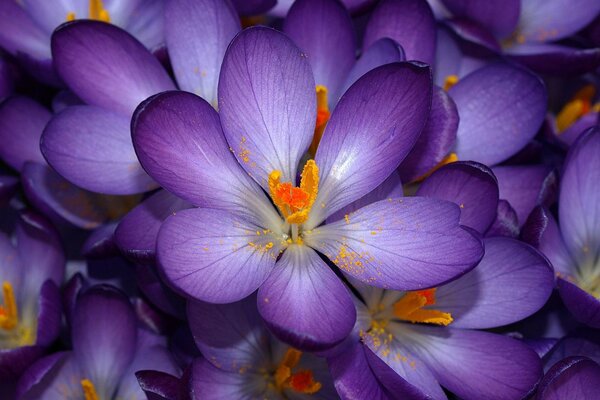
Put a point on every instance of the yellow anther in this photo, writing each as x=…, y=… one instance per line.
x=450, y=81
x=71, y=16
x=9, y=317
x=450, y=158
x=579, y=105
x=96, y=12
x=410, y=308
x=323, y=115
x=89, y=391
x=295, y=203
x=300, y=381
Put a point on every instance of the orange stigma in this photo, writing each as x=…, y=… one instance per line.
x=9, y=317
x=293, y=202
x=96, y=12
x=89, y=391
x=579, y=105
x=450, y=158
x=323, y=115
x=410, y=308
x=450, y=81
x=301, y=381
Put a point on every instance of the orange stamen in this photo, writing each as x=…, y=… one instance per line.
x=450, y=158
x=89, y=391
x=9, y=317
x=293, y=202
x=323, y=115
x=301, y=381
x=96, y=12
x=579, y=105
x=410, y=308
x=450, y=81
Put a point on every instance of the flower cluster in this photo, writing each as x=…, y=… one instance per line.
x=309, y=199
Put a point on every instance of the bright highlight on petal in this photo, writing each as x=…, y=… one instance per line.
x=97, y=12
x=577, y=107
x=410, y=308
x=9, y=317
x=89, y=391
x=450, y=81
x=323, y=115
x=293, y=202
x=301, y=381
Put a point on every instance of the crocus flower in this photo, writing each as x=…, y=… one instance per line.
x=242, y=360
x=6, y=77
x=573, y=247
x=108, y=349
x=26, y=26
x=238, y=240
x=30, y=307
x=282, y=7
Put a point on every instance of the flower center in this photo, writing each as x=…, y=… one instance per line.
x=323, y=115
x=97, y=12
x=89, y=391
x=9, y=317
x=301, y=381
x=411, y=308
x=579, y=105
x=293, y=202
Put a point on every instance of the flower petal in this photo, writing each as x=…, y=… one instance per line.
x=403, y=244
x=365, y=140
x=267, y=103
x=80, y=51
x=506, y=222
x=197, y=34
x=326, y=314
x=555, y=59
x=323, y=30
x=49, y=315
x=408, y=22
x=471, y=186
x=215, y=256
x=90, y=146
x=582, y=305
x=572, y=378
x=500, y=17
x=210, y=383
x=253, y=7
x=511, y=282
x=501, y=107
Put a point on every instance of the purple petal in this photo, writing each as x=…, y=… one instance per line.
x=471, y=186
x=526, y=187
x=8, y=187
x=506, y=222
x=324, y=317
x=159, y=385
x=436, y=140
x=81, y=49
x=253, y=7
x=511, y=282
x=210, y=383
x=573, y=378
x=215, y=256
x=22, y=121
x=364, y=141
x=404, y=244
x=61, y=379
x=100, y=243
x=546, y=58
x=267, y=103
x=232, y=336
x=90, y=146
x=582, y=305
x=48, y=16
x=409, y=22
x=579, y=342
x=147, y=24
x=12, y=270
x=500, y=17
x=13, y=362
x=570, y=135
x=501, y=107
x=102, y=355
x=383, y=51
x=158, y=293
x=49, y=314
x=543, y=21
x=579, y=203
x=36, y=374
x=136, y=233
x=323, y=30
x=478, y=365
x=197, y=34
x=205, y=174
x=474, y=33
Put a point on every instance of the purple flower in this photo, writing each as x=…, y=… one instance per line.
x=27, y=26
x=108, y=349
x=30, y=308
x=238, y=241
x=573, y=248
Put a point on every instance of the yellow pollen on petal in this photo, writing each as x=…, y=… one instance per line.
x=96, y=12
x=450, y=158
x=89, y=391
x=293, y=202
x=450, y=81
x=579, y=105
x=410, y=308
x=301, y=381
x=9, y=317
x=323, y=115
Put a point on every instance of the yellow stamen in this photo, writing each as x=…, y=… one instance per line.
x=323, y=115
x=96, y=12
x=450, y=158
x=295, y=203
x=9, y=317
x=301, y=381
x=410, y=308
x=70, y=16
x=579, y=105
x=450, y=81
x=89, y=391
